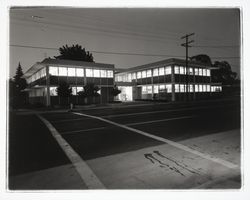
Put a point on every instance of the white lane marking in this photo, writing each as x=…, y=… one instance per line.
x=172, y=143
x=87, y=175
x=130, y=124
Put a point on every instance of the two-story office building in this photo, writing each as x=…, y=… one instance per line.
x=166, y=80
x=44, y=77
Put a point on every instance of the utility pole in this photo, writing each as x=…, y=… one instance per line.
x=186, y=45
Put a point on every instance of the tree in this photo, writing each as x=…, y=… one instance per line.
x=115, y=91
x=202, y=58
x=75, y=52
x=223, y=73
x=89, y=90
x=19, y=81
x=64, y=91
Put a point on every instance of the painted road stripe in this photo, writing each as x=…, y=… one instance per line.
x=87, y=175
x=130, y=124
x=172, y=143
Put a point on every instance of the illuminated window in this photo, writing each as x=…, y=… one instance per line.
x=62, y=71
x=103, y=73
x=208, y=72
x=204, y=71
x=176, y=87
x=144, y=90
x=168, y=70
x=191, y=72
x=155, y=72
x=162, y=88
x=138, y=75
x=204, y=88
x=79, y=72
x=196, y=88
x=182, y=70
x=129, y=77
x=200, y=88
x=161, y=71
x=110, y=74
x=89, y=72
x=52, y=91
x=149, y=73
x=149, y=89
x=176, y=69
x=182, y=88
x=191, y=88
x=96, y=73
x=200, y=72
x=196, y=71
x=208, y=88
x=169, y=88
x=71, y=72
x=74, y=91
x=143, y=74
x=53, y=71
x=156, y=89
x=133, y=76
x=79, y=89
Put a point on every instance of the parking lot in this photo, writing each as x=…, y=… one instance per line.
x=155, y=145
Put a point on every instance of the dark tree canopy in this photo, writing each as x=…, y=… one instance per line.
x=115, y=91
x=202, y=58
x=223, y=73
x=74, y=52
x=90, y=90
x=20, y=82
x=64, y=90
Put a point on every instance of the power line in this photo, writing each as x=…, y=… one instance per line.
x=216, y=46
x=119, y=53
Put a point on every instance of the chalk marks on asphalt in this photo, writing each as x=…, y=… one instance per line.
x=172, y=143
x=86, y=174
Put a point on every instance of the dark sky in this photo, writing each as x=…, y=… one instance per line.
x=137, y=31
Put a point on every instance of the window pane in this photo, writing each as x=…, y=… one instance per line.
x=138, y=74
x=110, y=74
x=161, y=71
x=89, y=72
x=143, y=74
x=191, y=71
x=208, y=88
x=71, y=72
x=149, y=73
x=74, y=91
x=161, y=88
x=182, y=88
x=196, y=71
x=133, y=76
x=62, y=71
x=200, y=88
x=196, y=88
x=156, y=89
x=53, y=71
x=103, y=73
x=96, y=73
x=176, y=69
x=182, y=70
x=79, y=89
x=208, y=72
x=191, y=88
x=149, y=89
x=155, y=72
x=169, y=88
x=177, y=88
x=53, y=91
x=79, y=72
x=204, y=71
x=200, y=72
x=204, y=88
x=168, y=70
x=144, y=90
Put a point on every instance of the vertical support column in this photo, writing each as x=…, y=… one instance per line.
x=173, y=83
x=48, y=103
x=84, y=83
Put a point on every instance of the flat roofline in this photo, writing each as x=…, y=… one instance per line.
x=60, y=62
x=165, y=62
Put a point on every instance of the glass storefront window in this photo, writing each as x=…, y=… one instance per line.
x=155, y=72
x=96, y=73
x=79, y=72
x=53, y=71
x=71, y=72
x=89, y=72
x=161, y=71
